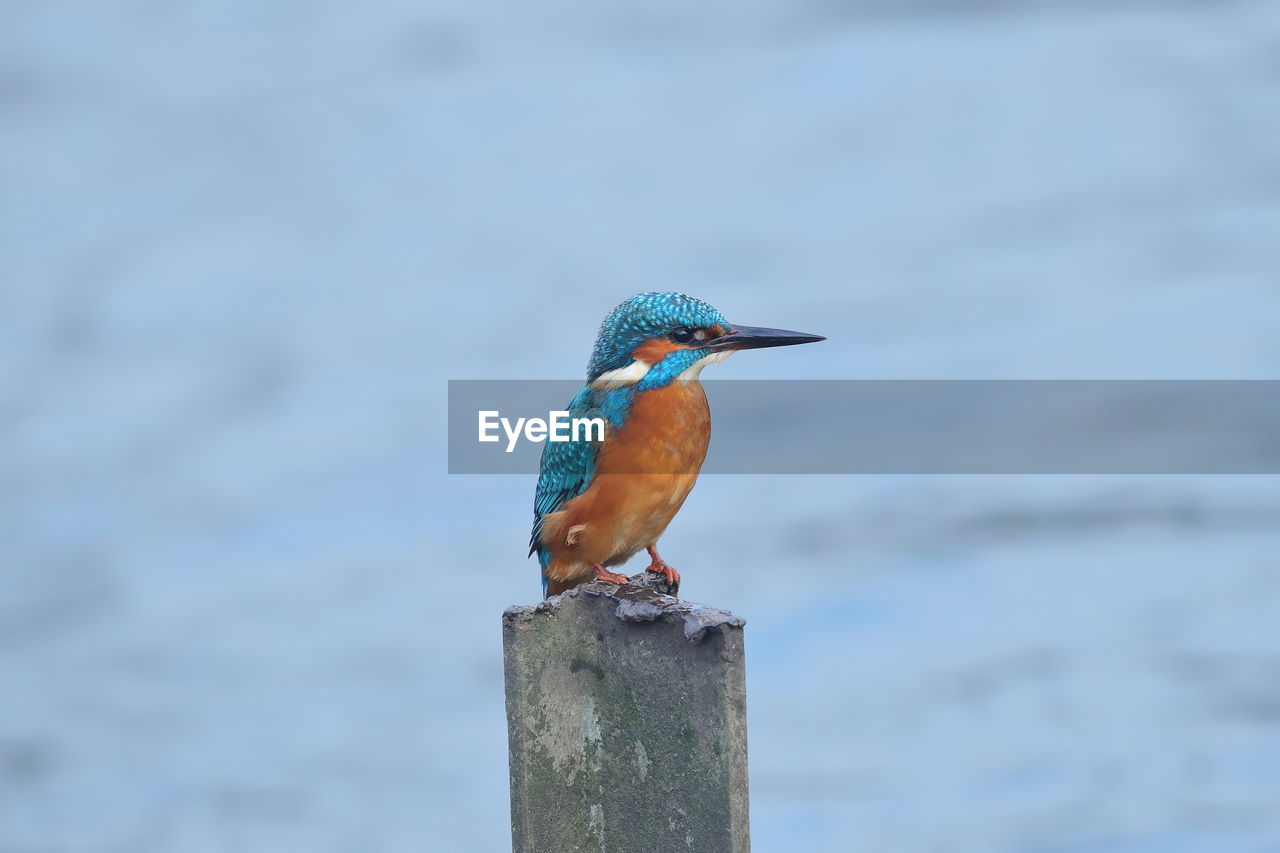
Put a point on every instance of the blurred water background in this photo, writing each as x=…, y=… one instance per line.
x=244, y=244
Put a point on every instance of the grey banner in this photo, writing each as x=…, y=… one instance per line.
x=927, y=426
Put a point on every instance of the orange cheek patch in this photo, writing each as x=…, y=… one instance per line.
x=655, y=350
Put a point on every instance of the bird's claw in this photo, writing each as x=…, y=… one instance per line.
x=671, y=575
x=607, y=576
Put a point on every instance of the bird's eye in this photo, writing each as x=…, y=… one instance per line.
x=681, y=336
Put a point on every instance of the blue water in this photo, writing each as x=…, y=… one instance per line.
x=245, y=244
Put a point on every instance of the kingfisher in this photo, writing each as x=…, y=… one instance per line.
x=600, y=501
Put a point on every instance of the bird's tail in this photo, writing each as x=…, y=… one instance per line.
x=550, y=586
x=544, y=557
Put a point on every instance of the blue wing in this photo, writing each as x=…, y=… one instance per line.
x=568, y=466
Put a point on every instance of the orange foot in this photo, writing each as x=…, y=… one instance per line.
x=607, y=576
x=659, y=567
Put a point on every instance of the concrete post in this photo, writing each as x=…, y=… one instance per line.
x=626, y=714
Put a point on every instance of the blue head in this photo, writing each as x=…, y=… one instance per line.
x=653, y=339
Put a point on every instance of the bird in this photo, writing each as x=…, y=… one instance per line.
x=600, y=500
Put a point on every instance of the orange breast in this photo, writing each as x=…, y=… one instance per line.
x=645, y=471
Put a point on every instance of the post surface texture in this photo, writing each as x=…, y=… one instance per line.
x=626, y=713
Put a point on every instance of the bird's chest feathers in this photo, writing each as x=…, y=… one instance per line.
x=649, y=465
x=666, y=432
x=646, y=469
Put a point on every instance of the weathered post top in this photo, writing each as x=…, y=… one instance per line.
x=626, y=713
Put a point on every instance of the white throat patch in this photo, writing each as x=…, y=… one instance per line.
x=629, y=375
x=691, y=372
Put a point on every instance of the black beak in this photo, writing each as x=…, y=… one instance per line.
x=752, y=337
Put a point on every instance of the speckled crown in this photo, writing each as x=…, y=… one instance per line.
x=645, y=316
